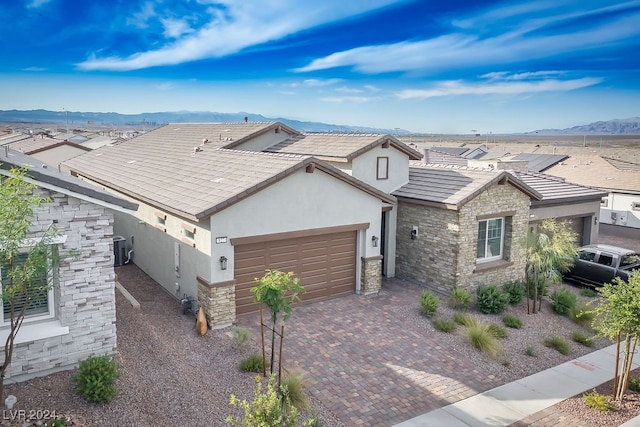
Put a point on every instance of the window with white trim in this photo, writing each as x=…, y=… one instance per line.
x=490, y=239
x=41, y=295
x=382, y=168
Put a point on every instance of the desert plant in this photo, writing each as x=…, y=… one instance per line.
x=598, y=401
x=582, y=338
x=95, y=378
x=241, y=337
x=563, y=300
x=252, y=363
x=581, y=314
x=557, y=343
x=460, y=299
x=491, y=300
x=588, y=292
x=429, y=303
x=531, y=351
x=481, y=338
x=497, y=330
x=634, y=384
x=463, y=319
x=56, y=422
x=444, y=325
x=293, y=387
x=511, y=321
x=515, y=289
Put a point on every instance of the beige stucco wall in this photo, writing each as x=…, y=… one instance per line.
x=261, y=142
x=55, y=156
x=588, y=210
x=364, y=167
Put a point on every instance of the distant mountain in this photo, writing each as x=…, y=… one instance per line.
x=85, y=119
x=611, y=127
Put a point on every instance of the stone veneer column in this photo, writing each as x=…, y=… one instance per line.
x=371, y=276
x=218, y=301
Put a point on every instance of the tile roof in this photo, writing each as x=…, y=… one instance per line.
x=557, y=190
x=35, y=145
x=435, y=157
x=335, y=146
x=163, y=168
x=456, y=151
x=451, y=187
x=48, y=177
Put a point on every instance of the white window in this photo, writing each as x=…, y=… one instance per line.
x=40, y=299
x=635, y=206
x=490, y=239
x=382, y=171
x=604, y=202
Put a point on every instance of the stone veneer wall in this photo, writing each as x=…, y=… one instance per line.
x=84, y=292
x=219, y=303
x=444, y=254
x=371, y=277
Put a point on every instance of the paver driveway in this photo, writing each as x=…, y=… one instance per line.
x=370, y=362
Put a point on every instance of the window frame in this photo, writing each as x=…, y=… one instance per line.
x=382, y=167
x=486, y=258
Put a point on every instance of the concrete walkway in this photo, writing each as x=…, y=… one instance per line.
x=507, y=404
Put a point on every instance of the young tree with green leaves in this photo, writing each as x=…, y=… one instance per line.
x=25, y=258
x=278, y=291
x=551, y=251
x=617, y=318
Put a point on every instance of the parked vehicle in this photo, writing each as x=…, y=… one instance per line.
x=599, y=264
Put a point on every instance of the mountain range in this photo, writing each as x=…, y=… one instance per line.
x=630, y=126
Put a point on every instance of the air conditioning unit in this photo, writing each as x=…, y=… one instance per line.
x=119, y=250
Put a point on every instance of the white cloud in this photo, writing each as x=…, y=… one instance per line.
x=141, y=18
x=34, y=69
x=321, y=82
x=232, y=27
x=457, y=88
x=345, y=89
x=175, y=28
x=34, y=4
x=348, y=99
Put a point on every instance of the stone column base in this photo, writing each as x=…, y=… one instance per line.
x=371, y=276
x=218, y=301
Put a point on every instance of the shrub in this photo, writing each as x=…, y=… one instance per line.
x=563, y=301
x=444, y=325
x=634, y=384
x=293, y=388
x=581, y=338
x=497, y=330
x=429, y=303
x=56, y=422
x=95, y=378
x=512, y=321
x=459, y=299
x=581, y=314
x=252, y=363
x=481, y=338
x=557, y=343
x=531, y=351
x=543, y=286
x=241, y=337
x=515, y=290
x=598, y=401
x=491, y=300
x=463, y=319
x=588, y=292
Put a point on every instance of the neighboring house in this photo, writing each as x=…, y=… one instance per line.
x=48, y=150
x=462, y=227
x=76, y=318
x=216, y=211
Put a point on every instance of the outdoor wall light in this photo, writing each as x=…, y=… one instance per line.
x=374, y=241
x=223, y=262
x=595, y=220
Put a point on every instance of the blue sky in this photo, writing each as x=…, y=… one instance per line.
x=424, y=66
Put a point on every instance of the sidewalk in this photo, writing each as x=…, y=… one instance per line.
x=512, y=402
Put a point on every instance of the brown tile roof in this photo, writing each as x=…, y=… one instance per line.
x=346, y=146
x=451, y=187
x=556, y=190
x=163, y=169
x=32, y=146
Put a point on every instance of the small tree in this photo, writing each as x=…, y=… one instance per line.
x=551, y=251
x=618, y=319
x=278, y=291
x=24, y=258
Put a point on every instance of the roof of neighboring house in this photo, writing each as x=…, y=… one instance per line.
x=32, y=146
x=163, y=168
x=557, y=190
x=434, y=157
x=456, y=151
x=345, y=146
x=451, y=187
x=540, y=162
x=623, y=164
x=47, y=177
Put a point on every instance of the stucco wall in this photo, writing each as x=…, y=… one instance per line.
x=364, y=167
x=261, y=142
x=55, y=156
x=621, y=205
x=588, y=210
x=85, y=312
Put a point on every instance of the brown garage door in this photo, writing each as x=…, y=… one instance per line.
x=325, y=264
x=577, y=225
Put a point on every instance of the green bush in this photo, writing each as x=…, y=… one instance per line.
x=252, y=363
x=557, y=343
x=491, y=300
x=444, y=325
x=241, y=337
x=497, y=330
x=95, y=378
x=460, y=299
x=463, y=319
x=634, y=384
x=531, y=351
x=429, y=303
x=543, y=286
x=56, y=422
x=581, y=314
x=588, y=292
x=582, y=338
x=293, y=389
x=515, y=290
x=481, y=338
x=512, y=321
x=563, y=300
x=598, y=401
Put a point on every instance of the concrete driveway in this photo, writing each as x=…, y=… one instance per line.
x=370, y=362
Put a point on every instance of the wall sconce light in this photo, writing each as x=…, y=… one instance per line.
x=414, y=233
x=223, y=262
x=595, y=220
x=374, y=241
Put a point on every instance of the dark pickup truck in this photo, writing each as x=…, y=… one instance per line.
x=599, y=264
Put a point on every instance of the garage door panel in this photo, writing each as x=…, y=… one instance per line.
x=325, y=264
